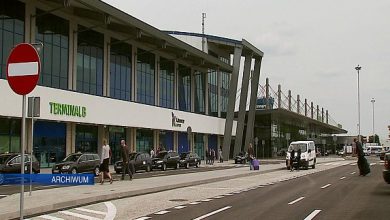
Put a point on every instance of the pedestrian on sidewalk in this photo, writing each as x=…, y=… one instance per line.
x=207, y=156
x=220, y=155
x=151, y=152
x=364, y=167
x=212, y=155
x=251, y=156
x=104, y=161
x=125, y=152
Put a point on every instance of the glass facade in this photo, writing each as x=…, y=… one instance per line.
x=199, y=145
x=213, y=93
x=144, y=140
x=11, y=30
x=53, y=32
x=86, y=138
x=145, y=77
x=49, y=142
x=183, y=143
x=224, y=93
x=116, y=134
x=184, y=88
x=120, y=70
x=10, y=135
x=200, y=91
x=167, y=83
x=166, y=140
x=213, y=142
x=90, y=62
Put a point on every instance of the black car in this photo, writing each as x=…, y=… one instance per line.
x=165, y=159
x=386, y=170
x=140, y=161
x=241, y=158
x=78, y=163
x=11, y=163
x=189, y=159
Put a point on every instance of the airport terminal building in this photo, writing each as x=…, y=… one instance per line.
x=106, y=74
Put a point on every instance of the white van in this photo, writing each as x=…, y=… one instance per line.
x=308, y=153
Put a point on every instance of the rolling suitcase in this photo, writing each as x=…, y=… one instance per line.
x=256, y=164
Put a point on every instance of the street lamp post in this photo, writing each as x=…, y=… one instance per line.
x=373, y=120
x=358, y=68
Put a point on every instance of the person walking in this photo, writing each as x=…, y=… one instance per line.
x=250, y=155
x=212, y=155
x=104, y=161
x=207, y=156
x=362, y=163
x=125, y=152
x=151, y=152
x=220, y=154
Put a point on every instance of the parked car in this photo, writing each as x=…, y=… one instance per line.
x=165, y=159
x=11, y=163
x=382, y=154
x=139, y=160
x=189, y=159
x=78, y=163
x=386, y=171
x=281, y=152
x=241, y=158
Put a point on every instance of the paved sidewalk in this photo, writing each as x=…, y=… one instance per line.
x=49, y=200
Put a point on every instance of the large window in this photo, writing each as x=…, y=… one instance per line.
x=224, y=93
x=11, y=30
x=90, y=61
x=166, y=140
x=199, y=145
x=184, y=88
x=200, y=90
x=53, y=32
x=144, y=140
x=120, y=70
x=213, y=92
x=145, y=77
x=167, y=83
x=86, y=138
x=9, y=135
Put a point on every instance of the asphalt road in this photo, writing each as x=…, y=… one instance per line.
x=339, y=193
x=11, y=189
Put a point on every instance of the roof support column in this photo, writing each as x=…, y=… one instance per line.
x=267, y=104
x=231, y=103
x=289, y=100
x=306, y=107
x=279, y=96
x=327, y=117
x=322, y=115
x=312, y=110
x=318, y=112
x=298, y=104
x=243, y=101
x=252, y=105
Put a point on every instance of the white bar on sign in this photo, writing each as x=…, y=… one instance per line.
x=23, y=69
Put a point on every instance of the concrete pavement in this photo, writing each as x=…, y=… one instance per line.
x=61, y=198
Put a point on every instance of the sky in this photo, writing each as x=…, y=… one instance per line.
x=310, y=47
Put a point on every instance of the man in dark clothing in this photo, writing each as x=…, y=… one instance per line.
x=362, y=163
x=299, y=158
x=125, y=158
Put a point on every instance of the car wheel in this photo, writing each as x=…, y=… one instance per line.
x=148, y=168
x=313, y=166
x=96, y=171
x=197, y=165
x=164, y=167
x=73, y=171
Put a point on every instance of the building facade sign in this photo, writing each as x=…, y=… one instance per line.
x=67, y=109
x=176, y=121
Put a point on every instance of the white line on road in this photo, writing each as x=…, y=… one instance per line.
x=372, y=164
x=342, y=177
x=326, y=186
x=194, y=203
x=228, y=194
x=50, y=217
x=212, y=213
x=90, y=211
x=353, y=164
x=78, y=215
x=218, y=197
x=111, y=211
x=161, y=212
x=297, y=200
x=353, y=173
x=3, y=195
x=180, y=207
x=206, y=200
x=312, y=215
x=143, y=218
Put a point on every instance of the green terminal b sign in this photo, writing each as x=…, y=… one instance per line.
x=68, y=110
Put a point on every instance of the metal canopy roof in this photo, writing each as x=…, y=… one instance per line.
x=101, y=14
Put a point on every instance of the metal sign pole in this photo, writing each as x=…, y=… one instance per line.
x=32, y=141
x=22, y=167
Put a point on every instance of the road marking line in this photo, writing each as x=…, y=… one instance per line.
x=3, y=195
x=353, y=164
x=372, y=164
x=312, y=215
x=206, y=200
x=342, y=177
x=143, y=218
x=326, y=186
x=194, y=203
x=161, y=212
x=180, y=207
x=111, y=211
x=219, y=197
x=297, y=200
x=228, y=194
x=353, y=173
x=212, y=213
x=50, y=217
x=78, y=215
x=90, y=211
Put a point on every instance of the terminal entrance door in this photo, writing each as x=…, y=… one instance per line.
x=116, y=134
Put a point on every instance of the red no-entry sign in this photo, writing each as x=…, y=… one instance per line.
x=23, y=67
